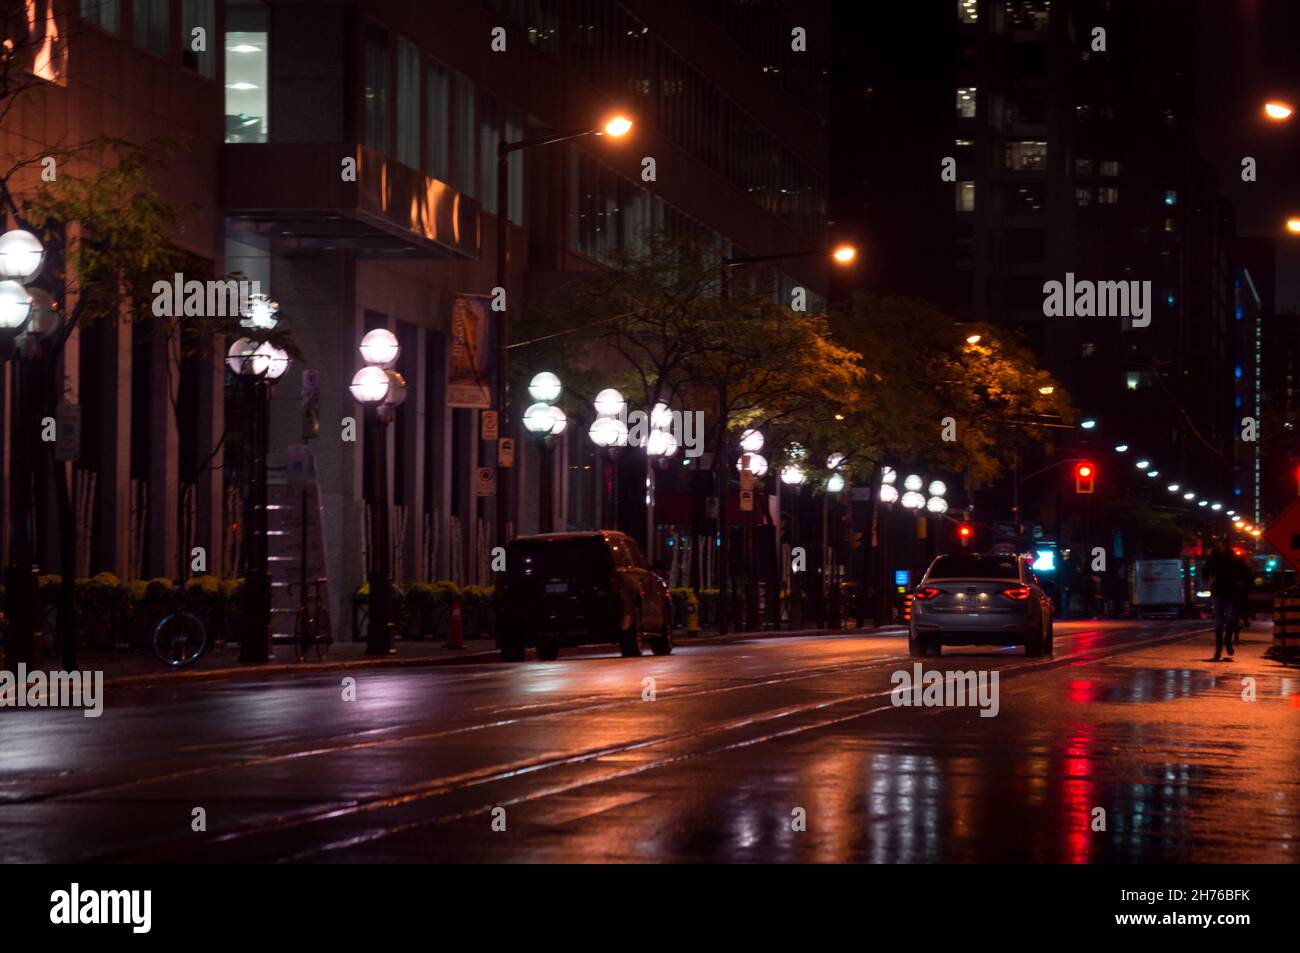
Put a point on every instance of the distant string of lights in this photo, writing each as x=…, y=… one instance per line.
x=1189, y=495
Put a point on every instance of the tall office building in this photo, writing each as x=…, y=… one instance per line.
x=283, y=101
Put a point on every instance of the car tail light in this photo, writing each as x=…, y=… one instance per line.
x=1017, y=593
x=927, y=592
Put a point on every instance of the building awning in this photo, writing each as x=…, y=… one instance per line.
x=292, y=197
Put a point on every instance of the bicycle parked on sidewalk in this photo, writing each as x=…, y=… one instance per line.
x=312, y=627
x=180, y=638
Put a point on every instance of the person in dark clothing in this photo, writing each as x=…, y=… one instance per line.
x=1223, y=572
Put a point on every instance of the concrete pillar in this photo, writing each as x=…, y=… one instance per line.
x=318, y=297
x=161, y=544
x=110, y=411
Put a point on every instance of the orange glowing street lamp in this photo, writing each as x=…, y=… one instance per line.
x=1293, y=224
x=845, y=254
x=616, y=126
x=1278, y=111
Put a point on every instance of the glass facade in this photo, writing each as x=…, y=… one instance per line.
x=377, y=89
x=199, y=15
x=408, y=103
x=464, y=137
x=102, y=13
x=152, y=25
x=437, y=122
x=246, y=44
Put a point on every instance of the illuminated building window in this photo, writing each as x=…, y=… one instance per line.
x=246, y=59
x=965, y=102
x=1026, y=155
x=1109, y=167
x=1108, y=196
x=965, y=196
x=968, y=11
x=1082, y=197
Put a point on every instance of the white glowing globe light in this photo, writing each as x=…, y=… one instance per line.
x=936, y=504
x=661, y=416
x=913, y=500
x=798, y=451
x=15, y=305
x=609, y=403
x=21, y=256
x=913, y=482
x=834, y=461
x=379, y=347
x=260, y=313
x=757, y=463
x=559, y=420
x=888, y=493
x=240, y=356
x=888, y=475
x=538, y=419
x=1216, y=506
x=275, y=360
x=835, y=484
x=751, y=441
x=608, y=432
x=661, y=444
x=369, y=385
x=938, y=488
x=793, y=476
x=544, y=387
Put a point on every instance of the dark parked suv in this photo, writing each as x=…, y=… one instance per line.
x=580, y=589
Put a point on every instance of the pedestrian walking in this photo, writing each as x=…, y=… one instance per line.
x=1224, y=576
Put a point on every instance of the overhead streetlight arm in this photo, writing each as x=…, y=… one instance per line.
x=780, y=256
x=505, y=148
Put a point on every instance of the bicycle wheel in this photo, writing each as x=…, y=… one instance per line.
x=304, y=632
x=180, y=639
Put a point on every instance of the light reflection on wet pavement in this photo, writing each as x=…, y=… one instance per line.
x=1130, y=719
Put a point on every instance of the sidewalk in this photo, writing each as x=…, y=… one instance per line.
x=140, y=668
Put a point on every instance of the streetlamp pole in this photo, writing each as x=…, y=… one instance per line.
x=615, y=127
x=21, y=259
x=257, y=366
x=380, y=390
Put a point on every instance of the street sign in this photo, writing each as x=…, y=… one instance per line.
x=485, y=482
x=297, y=465
x=67, y=439
x=506, y=452
x=747, y=500
x=488, y=424
x=310, y=385
x=1284, y=535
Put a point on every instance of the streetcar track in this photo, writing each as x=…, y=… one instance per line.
x=500, y=773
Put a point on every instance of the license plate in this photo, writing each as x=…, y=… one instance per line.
x=557, y=587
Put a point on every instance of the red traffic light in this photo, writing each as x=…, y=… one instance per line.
x=1084, y=476
x=964, y=532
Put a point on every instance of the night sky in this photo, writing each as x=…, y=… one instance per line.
x=1248, y=54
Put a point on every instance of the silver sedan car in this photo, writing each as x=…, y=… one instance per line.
x=980, y=599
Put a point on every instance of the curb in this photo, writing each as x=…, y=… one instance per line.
x=163, y=677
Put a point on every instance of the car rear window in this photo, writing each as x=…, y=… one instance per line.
x=974, y=567
x=571, y=559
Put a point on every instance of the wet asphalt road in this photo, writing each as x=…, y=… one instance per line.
x=1128, y=717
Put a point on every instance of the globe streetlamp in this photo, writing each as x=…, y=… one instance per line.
x=257, y=366
x=380, y=390
x=547, y=422
x=21, y=258
x=614, y=126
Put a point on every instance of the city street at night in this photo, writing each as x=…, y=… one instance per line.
x=1129, y=716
